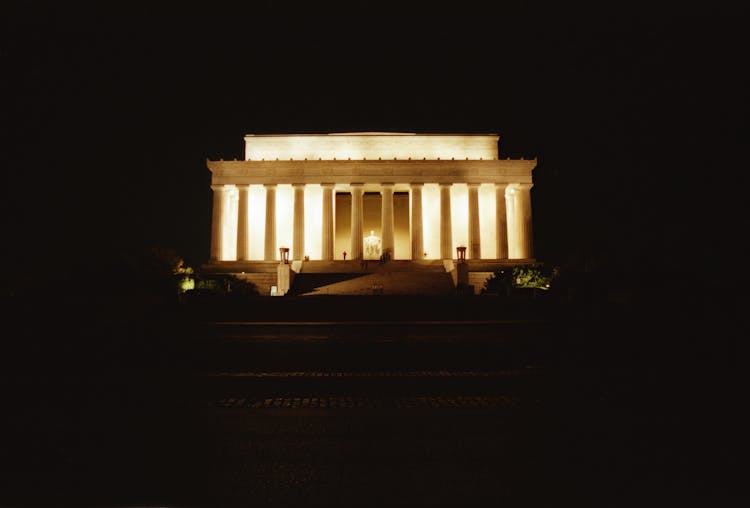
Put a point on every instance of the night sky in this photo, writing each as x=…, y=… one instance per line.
x=636, y=117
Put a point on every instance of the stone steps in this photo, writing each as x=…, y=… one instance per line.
x=395, y=277
x=390, y=283
x=477, y=279
x=338, y=266
x=262, y=281
x=305, y=282
x=237, y=267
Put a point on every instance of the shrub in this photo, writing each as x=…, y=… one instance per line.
x=505, y=280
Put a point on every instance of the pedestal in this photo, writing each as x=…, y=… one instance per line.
x=284, y=278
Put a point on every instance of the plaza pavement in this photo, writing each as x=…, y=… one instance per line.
x=180, y=410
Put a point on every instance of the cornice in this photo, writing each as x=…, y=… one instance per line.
x=371, y=171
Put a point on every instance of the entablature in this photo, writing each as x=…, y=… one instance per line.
x=371, y=171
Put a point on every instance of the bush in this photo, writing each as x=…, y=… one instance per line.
x=213, y=287
x=505, y=281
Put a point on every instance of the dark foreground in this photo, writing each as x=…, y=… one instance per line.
x=530, y=404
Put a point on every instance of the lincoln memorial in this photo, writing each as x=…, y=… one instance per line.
x=424, y=198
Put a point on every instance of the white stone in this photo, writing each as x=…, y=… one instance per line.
x=386, y=163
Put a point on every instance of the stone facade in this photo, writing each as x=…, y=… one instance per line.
x=285, y=194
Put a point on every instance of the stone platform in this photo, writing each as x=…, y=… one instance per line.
x=355, y=277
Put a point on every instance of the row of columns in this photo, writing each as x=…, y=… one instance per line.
x=357, y=191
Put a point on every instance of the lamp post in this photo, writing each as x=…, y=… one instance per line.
x=461, y=253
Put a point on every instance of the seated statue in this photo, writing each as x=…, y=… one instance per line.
x=372, y=246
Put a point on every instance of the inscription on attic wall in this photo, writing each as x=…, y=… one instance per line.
x=371, y=145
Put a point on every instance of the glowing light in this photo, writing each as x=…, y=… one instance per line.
x=459, y=215
x=257, y=220
x=401, y=233
x=370, y=145
x=229, y=226
x=313, y=221
x=314, y=218
x=487, y=221
x=372, y=246
x=342, y=227
x=284, y=216
x=514, y=233
x=187, y=284
x=431, y=220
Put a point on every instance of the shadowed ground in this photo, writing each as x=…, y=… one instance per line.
x=533, y=404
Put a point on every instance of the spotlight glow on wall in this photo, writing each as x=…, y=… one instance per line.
x=514, y=233
x=313, y=221
x=487, y=220
x=229, y=226
x=431, y=219
x=459, y=216
x=257, y=221
x=284, y=216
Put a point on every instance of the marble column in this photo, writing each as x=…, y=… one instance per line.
x=357, y=240
x=417, y=237
x=446, y=228
x=501, y=221
x=327, y=232
x=269, y=251
x=526, y=235
x=243, y=245
x=386, y=218
x=217, y=222
x=475, y=244
x=298, y=224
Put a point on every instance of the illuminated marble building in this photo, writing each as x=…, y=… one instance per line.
x=355, y=196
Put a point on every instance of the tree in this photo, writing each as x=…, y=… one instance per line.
x=532, y=276
x=504, y=280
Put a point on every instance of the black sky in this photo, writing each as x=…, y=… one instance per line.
x=637, y=117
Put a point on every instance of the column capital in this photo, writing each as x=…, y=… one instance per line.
x=387, y=184
x=328, y=185
x=500, y=185
x=269, y=185
x=219, y=188
x=445, y=184
x=298, y=185
x=520, y=186
x=357, y=184
x=473, y=185
x=243, y=186
x=415, y=185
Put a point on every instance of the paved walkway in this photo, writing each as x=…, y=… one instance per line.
x=407, y=415
x=349, y=402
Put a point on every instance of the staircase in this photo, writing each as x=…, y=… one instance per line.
x=262, y=281
x=395, y=277
x=477, y=280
